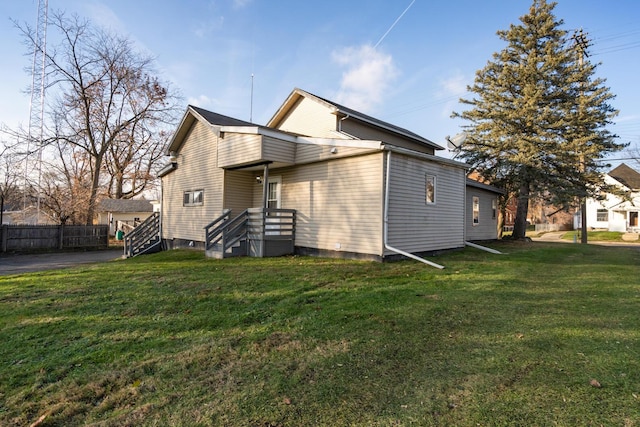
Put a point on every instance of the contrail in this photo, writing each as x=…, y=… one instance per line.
x=394, y=24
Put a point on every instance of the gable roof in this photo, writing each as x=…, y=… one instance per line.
x=218, y=119
x=626, y=176
x=194, y=113
x=124, y=205
x=477, y=184
x=343, y=111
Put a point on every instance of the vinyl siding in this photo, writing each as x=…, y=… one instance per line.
x=365, y=131
x=310, y=118
x=307, y=153
x=338, y=203
x=237, y=149
x=486, y=229
x=238, y=193
x=196, y=170
x=414, y=225
x=277, y=150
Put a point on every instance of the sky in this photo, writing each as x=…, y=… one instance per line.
x=407, y=62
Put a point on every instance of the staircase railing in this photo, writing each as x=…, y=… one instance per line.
x=266, y=232
x=226, y=232
x=143, y=236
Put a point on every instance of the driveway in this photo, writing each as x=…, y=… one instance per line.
x=27, y=263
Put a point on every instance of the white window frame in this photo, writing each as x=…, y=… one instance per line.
x=600, y=212
x=193, y=198
x=475, y=210
x=430, y=185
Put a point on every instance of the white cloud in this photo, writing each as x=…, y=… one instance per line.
x=202, y=101
x=450, y=91
x=105, y=17
x=367, y=76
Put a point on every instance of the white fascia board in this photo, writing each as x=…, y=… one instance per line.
x=334, y=142
x=258, y=130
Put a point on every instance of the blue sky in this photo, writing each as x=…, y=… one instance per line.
x=406, y=62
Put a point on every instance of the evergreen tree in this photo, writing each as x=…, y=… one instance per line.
x=537, y=122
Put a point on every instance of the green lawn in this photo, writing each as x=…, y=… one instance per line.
x=597, y=236
x=176, y=339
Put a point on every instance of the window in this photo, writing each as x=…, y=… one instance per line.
x=431, y=189
x=494, y=208
x=476, y=210
x=602, y=215
x=193, y=198
x=273, y=194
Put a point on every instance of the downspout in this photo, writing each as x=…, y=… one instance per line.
x=386, y=222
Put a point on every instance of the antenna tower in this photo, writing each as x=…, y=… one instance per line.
x=36, y=104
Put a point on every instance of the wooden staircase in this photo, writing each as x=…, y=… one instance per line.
x=227, y=238
x=145, y=238
x=256, y=232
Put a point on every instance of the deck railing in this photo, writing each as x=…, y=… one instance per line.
x=254, y=227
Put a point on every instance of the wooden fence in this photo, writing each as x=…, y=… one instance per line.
x=26, y=238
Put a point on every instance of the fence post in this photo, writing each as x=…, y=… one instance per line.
x=5, y=237
x=60, y=236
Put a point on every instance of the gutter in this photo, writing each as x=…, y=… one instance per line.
x=386, y=223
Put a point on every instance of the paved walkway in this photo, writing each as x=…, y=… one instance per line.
x=556, y=236
x=27, y=263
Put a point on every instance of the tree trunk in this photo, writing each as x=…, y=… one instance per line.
x=95, y=182
x=500, y=224
x=520, y=223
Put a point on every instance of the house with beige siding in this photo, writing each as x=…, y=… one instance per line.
x=318, y=178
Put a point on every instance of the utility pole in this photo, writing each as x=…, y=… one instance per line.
x=36, y=104
x=582, y=45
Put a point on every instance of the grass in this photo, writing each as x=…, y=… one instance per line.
x=177, y=339
x=596, y=236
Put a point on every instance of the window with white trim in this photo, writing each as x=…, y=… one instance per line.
x=193, y=198
x=430, y=189
x=494, y=208
x=602, y=215
x=476, y=210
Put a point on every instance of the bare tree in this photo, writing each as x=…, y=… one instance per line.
x=10, y=191
x=65, y=186
x=107, y=102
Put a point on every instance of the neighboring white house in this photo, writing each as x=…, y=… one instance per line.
x=123, y=214
x=616, y=213
x=359, y=187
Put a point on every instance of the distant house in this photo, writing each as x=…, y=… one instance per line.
x=616, y=213
x=356, y=186
x=123, y=214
